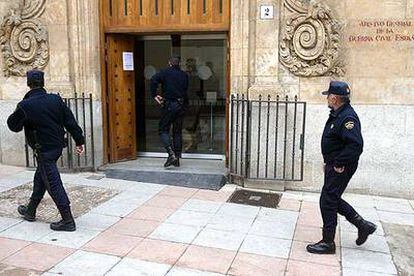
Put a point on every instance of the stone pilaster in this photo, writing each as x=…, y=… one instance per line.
x=83, y=18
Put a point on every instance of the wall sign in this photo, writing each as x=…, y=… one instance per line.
x=266, y=12
x=128, y=61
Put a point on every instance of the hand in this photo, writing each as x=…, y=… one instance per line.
x=80, y=149
x=159, y=99
x=339, y=170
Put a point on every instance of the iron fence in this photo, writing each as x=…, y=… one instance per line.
x=82, y=108
x=267, y=138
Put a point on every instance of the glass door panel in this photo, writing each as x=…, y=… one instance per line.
x=203, y=57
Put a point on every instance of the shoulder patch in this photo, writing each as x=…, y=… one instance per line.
x=349, y=125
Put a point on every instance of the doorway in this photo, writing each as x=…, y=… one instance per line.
x=132, y=115
x=204, y=58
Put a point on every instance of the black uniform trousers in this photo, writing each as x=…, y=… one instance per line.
x=172, y=115
x=47, y=176
x=330, y=201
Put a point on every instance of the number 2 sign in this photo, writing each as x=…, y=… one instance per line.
x=266, y=12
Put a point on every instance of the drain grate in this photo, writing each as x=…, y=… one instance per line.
x=269, y=200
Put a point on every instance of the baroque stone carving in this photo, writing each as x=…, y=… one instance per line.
x=24, y=39
x=311, y=42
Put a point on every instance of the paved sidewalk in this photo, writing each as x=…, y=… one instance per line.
x=150, y=229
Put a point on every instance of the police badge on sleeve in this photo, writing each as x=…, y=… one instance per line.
x=350, y=125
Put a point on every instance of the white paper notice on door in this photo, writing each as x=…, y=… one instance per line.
x=128, y=61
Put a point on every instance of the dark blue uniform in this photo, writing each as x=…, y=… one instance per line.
x=44, y=117
x=174, y=83
x=342, y=144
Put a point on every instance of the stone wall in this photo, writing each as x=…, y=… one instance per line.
x=373, y=53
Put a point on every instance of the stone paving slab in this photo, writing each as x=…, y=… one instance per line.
x=178, y=271
x=18, y=271
x=230, y=223
x=357, y=272
x=6, y=223
x=202, y=206
x=96, y=221
x=137, y=267
x=28, y=231
x=258, y=265
x=394, y=205
x=266, y=246
x=38, y=257
x=112, y=244
x=189, y=218
x=207, y=259
x=368, y=261
x=273, y=229
x=397, y=218
x=10, y=246
x=219, y=239
x=69, y=239
x=176, y=233
x=158, y=251
x=85, y=263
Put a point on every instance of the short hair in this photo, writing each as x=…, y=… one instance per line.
x=345, y=99
x=175, y=61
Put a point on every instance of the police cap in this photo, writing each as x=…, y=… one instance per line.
x=337, y=88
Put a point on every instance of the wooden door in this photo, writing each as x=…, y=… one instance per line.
x=121, y=100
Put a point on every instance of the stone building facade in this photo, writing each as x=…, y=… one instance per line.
x=294, y=48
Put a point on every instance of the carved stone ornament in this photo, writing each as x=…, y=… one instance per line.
x=311, y=42
x=24, y=39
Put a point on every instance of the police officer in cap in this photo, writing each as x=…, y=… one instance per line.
x=174, y=84
x=342, y=144
x=44, y=117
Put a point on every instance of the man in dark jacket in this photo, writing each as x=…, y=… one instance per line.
x=342, y=145
x=174, y=100
x=44, y=117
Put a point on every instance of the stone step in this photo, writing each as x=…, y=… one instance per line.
x=173, y=178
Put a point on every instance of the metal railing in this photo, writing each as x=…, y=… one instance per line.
x=82, y=109
x=267, y=138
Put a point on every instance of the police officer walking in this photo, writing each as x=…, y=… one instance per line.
x=44, y=117
x=174, y=84
x=342, y=145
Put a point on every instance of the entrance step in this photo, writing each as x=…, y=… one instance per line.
x=200, y=174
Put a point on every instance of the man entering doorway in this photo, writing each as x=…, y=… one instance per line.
x=174, y=100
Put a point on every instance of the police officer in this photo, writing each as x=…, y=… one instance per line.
x=174, y=83
x=342, y=145
x=44, y=117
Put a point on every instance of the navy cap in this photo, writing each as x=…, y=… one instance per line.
x=338, y=88
x=35, y=76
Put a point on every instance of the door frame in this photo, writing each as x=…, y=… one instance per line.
x=105, y=94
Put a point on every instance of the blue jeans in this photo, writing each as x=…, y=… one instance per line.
x=47, y=177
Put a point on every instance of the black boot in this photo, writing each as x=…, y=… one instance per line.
x=66, y=224
x=325, y=246
x=171, y=160
x=365, y=228
x=177, y=164
x=29, y=212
